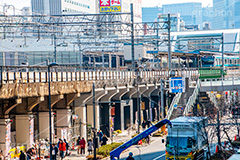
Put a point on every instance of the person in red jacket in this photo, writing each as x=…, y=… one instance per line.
x=82, y=145
x=62, y=149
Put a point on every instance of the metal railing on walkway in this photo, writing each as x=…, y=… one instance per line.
x=192, y=99
x=172, y=106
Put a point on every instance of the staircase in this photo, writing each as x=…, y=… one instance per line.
x=178, y=111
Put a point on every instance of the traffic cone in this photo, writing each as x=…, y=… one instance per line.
x=216, y=149
x=235, y=138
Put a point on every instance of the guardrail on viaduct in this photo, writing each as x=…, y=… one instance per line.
x=32, y=81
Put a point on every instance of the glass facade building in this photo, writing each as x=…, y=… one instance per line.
x=150, y=14
x=191, y=13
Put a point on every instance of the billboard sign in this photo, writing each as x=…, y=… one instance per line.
x=177, y=84
x=108, y=6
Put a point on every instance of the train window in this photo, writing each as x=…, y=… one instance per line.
x=230, y=61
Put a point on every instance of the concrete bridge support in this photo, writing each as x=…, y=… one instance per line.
x=63, y=121
x=3, y=136
x=22, y=130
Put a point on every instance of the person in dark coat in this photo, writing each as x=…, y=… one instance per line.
x=78, y=145
x=22, y=156
x=54, y=152
x=104, y=140
x=144, y=124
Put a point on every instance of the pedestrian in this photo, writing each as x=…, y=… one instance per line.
x=147, y=139
x=78, y=145
x=62, y=149
x=22, y=156
x=58, y=142
x=82, y=145
x=90, y=146
x=148, y=123
x=100, y=135
x=29, y=153
x=54, y=152
x=144, y=124
x=104, y=140
x=67, y=146
x=1, y=155
x=130, y=157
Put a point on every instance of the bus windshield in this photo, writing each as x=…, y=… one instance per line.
x=178, y=142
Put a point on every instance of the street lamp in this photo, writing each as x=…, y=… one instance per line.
x=49, y=106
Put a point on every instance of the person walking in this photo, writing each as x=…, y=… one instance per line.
x=1, y=155
x=130, y=157
x=21, y=157
x=144, y=124
x=29, y=153
x=54, y=152
x=82, y=145
x=104, y=140
x=148, y=139
x=148, y=123
x=100, y=135
x=90, y=147
x=67, y=147
x=62, y=149
x=78, y=145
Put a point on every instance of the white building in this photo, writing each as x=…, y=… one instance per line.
x=58, y=7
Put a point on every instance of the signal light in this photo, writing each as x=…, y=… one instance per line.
x=226, y=93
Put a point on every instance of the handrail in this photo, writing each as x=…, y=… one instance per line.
x=174, y=102
x=63, y=75
x=213, y=98
x=192, y=99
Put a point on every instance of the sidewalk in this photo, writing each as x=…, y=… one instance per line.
x=122, y=137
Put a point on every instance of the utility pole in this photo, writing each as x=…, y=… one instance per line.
x=132, y=36
x=55, y=48
x=80, y=52
x=138, y=103
x=218, y=131
x=102, y=58
x=169, y=42
x=94, y=124
x=162, y=99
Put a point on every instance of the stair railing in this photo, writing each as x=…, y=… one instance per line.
x=174, y=102
x=192, y=99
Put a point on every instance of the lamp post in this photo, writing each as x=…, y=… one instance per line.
x=49, y=106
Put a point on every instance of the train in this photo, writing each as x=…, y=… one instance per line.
x=216, y=61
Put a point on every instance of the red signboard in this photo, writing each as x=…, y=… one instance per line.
x=104, y=3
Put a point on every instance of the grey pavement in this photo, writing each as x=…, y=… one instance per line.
x=154, y=151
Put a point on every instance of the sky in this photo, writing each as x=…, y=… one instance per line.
x=145, y=3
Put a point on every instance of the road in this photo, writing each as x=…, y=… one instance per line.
x=154, y=151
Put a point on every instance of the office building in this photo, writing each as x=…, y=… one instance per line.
x=58, y=7
x=224, y=14
x=150, y=14
x=237, y=14
x=191, y=13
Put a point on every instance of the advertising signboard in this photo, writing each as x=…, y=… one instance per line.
x=107, y=6
x=31, y=132
x=8, y=138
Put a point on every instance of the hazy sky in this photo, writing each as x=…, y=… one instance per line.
x=145, y=3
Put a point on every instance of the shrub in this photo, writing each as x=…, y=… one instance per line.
x=106, y=149
x=118, y=131
x=143, y=140
x=158, y=134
